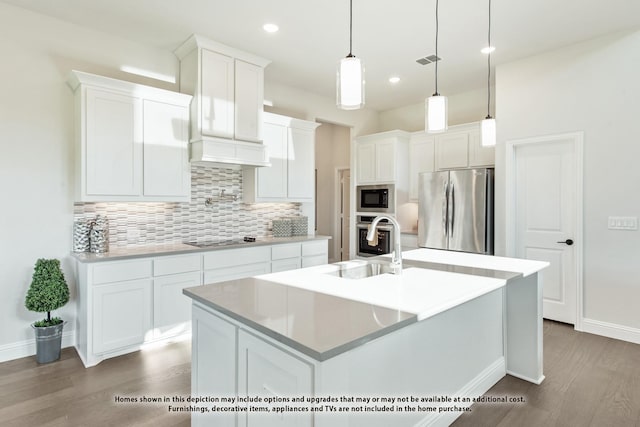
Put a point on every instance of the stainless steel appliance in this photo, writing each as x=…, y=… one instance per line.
x=455, y=210
x=376, y=198
x=386, y=236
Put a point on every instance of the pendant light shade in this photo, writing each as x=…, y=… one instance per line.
x=436, y=105
x=488, y=132
x=488, y=125
x=350, y=83
x=350, y=76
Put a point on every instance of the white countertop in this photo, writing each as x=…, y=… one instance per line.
x=516, y=265
x=422, y=292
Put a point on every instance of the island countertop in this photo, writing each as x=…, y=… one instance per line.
x=322, y=315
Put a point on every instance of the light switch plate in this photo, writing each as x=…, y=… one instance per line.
x=623, y=223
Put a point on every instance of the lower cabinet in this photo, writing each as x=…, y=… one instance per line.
x=227, y=360
x=121, y=314
x=125, y=304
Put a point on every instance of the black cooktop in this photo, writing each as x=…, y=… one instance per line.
x=219, y=243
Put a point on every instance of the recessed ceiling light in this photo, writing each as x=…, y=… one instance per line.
x=394, y=79
x=488, y=49
x=270, y=28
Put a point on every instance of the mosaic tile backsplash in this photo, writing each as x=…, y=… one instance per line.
x=149, y=223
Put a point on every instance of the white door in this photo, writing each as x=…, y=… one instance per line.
x=546, y=200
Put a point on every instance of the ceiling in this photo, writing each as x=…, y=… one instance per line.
x=387, y=35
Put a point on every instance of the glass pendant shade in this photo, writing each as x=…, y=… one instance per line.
x=488, y=132
x=350, y=83
x=436, y=119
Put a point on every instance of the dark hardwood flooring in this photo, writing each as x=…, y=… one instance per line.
x=590, y=381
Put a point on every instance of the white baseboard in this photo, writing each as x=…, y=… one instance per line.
x=27, y=348
x=474, y=388
x=611, y=330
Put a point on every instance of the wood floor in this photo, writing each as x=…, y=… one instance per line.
x=590, y=381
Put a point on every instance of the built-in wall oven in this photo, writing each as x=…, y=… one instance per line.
x=384, y=245
x=376, y=198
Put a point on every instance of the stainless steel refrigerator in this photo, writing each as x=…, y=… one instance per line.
x=455, y=210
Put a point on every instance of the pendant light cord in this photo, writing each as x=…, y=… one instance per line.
x=350, y=27
x=489, y=66
x=437, y=59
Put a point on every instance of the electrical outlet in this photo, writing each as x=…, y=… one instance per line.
x=623, y=223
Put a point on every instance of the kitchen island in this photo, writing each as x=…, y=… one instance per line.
x=356, y=351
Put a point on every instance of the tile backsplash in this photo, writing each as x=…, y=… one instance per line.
x=148, y=223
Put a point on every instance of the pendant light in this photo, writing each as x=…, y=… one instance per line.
x=350, y=76
x=436, y=105
x=488, y=125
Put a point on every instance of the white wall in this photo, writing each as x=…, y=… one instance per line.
x=465, y=107
x=591, y=87
x=332, y=153
x=36, y=146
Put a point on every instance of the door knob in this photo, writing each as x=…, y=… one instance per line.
x=566, y=242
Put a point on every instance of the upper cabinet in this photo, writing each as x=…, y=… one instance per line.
x=290, y=146
x=228, y=95
x=421, y=159
x=382, y=158
x=460, y=147
x=132, y=141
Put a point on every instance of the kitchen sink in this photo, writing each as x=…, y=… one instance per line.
x=361, y=271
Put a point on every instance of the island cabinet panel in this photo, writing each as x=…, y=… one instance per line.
x=122, y=315
x=265, y=370
x=213, y=363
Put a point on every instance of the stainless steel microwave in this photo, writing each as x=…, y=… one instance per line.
x=375, y=198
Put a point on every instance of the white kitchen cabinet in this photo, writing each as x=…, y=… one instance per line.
x=213, y=363
x=171, y=309
x=291, y=149
x=460, y=147
x=286, y=257
x=421, y=159
x=121, y=315
x=231, y=264
x=228, y=95
x=132, y=141
x=266, y=370
x=315, y=253
x=382, y=158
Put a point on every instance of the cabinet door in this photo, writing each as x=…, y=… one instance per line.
x=452, y=150
x=213, y=364
x=479, y=155
x=272, y=182
x=366, y=162
x=167, y=171
x=171, y=308
x=217, y=94
x=113, y=162
x=385, y=161
x=121, y=314
x=421, y=159
x=267, y=371
x=301, y=165
x=249, y=97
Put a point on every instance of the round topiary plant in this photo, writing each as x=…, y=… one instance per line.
x=48, y=291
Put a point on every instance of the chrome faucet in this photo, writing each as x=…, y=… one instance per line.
x=396, y=258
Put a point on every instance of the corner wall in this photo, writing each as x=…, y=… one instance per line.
x=591, y=87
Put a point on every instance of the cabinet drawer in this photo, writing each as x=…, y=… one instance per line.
x=311, y=261
x=236, y=272
x=315, y=248
x=120, y=271
x=285, y=251
x=233, y=257
x=285, y=264
x=176, y=264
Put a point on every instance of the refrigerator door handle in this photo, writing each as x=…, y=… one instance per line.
x=445, y=209
x=452, y=209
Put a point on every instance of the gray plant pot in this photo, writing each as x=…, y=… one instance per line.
x=48, y=342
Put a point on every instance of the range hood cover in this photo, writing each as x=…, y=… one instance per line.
x=228, y=154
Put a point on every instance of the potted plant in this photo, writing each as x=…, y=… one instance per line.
x=48, y=292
